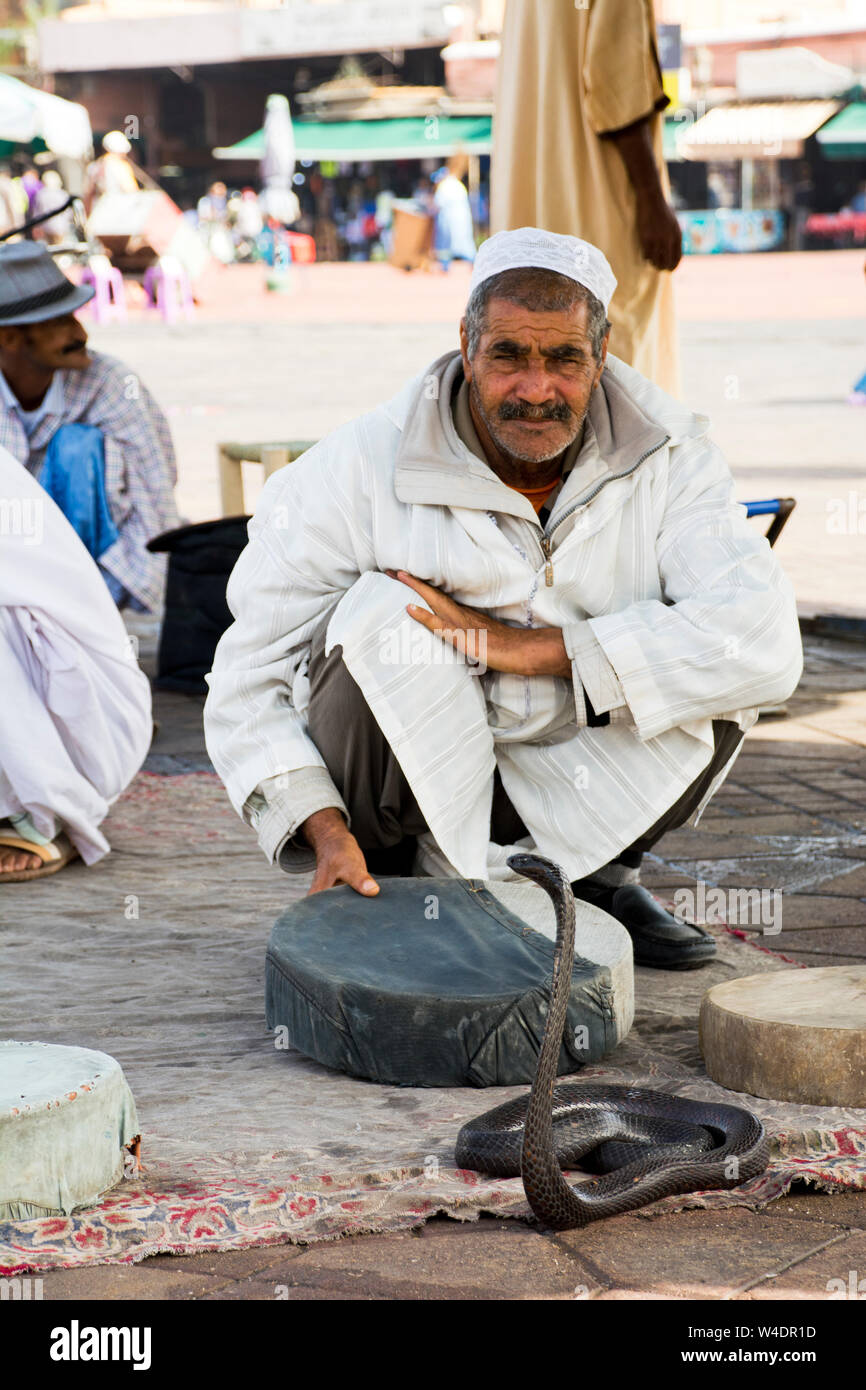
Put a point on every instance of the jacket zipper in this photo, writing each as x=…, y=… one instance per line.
x=546, y=541
x=548, y=563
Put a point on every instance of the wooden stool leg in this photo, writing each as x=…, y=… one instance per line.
x=273, y=457
x=231, y=484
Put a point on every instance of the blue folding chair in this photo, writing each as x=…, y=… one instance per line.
x=779, y=508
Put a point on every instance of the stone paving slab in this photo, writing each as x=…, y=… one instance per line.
x=489, y=1259
x=698, y=1254
x=822, y=1275
x=842, y=1209
x=139, y=1281
x=789, y=1250
x=808, y=912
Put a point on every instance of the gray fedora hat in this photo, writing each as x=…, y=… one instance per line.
x=32, y=288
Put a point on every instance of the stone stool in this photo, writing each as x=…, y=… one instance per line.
x=66, y=1117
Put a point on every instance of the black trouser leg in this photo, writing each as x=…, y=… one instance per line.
x=359, y=758
x=386, y=818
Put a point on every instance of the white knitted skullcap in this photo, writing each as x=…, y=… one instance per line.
x=530, y=246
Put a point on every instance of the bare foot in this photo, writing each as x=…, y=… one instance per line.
x=13, y=861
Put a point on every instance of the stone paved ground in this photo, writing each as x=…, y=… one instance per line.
x=798, y=789
x=771, y=345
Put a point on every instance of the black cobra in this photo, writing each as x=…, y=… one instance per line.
x=646, y=1144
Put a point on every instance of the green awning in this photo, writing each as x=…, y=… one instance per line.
x=411, y=137
x=10, y=147
x=845, y=136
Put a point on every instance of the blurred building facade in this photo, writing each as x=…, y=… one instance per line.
x=754, y=84
x=181, y=79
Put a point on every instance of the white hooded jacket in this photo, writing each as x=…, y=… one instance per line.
x=673, y=608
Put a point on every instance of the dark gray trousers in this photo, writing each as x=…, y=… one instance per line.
x=378, y=796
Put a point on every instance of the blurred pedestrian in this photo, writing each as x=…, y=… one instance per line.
x=247, y=224
x=213, y=222
x=799, y=207
x=212, y=207
x=454, y=235
x=385, y=217
x=51, y=196
x=30, y=184
x=578, y=149
x=112, y=172
x=422, y=194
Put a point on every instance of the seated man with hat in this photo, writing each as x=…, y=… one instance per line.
x=84, y=425
x=516, y=605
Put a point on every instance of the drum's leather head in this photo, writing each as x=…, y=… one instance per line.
x=434, y=982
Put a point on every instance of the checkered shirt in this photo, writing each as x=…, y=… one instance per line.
x=140, y=470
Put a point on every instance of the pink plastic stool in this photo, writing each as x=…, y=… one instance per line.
x=109, y=301
x=168, y=289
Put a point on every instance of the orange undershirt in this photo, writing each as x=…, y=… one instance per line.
x=537, y=495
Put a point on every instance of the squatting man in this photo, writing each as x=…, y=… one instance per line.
x=533, y=490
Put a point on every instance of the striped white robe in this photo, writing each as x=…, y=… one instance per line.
x=75, y=714
x=672, y=606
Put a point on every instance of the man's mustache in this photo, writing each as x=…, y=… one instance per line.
x=521, y=410
x=74, y=347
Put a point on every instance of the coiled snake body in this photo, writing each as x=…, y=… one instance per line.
x=646, y=1144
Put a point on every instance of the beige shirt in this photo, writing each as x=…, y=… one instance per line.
x=568, y=76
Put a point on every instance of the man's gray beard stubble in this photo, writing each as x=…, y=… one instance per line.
x=506, y=448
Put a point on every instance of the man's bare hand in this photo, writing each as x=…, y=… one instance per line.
x=658, y=230
x=522, y=651
x=339, y=857
x=660, y=235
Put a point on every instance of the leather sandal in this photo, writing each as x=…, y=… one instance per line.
x=54, y=856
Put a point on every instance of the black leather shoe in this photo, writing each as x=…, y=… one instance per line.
x=659, y=939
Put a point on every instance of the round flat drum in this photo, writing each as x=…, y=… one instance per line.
x=797, y=1035
x=442, y=982
x=65, y=1115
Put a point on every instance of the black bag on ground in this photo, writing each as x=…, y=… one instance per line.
x=384, y=989
x=200, y=560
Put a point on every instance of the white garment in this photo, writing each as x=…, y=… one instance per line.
x=75, y=717
x=672, y=606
